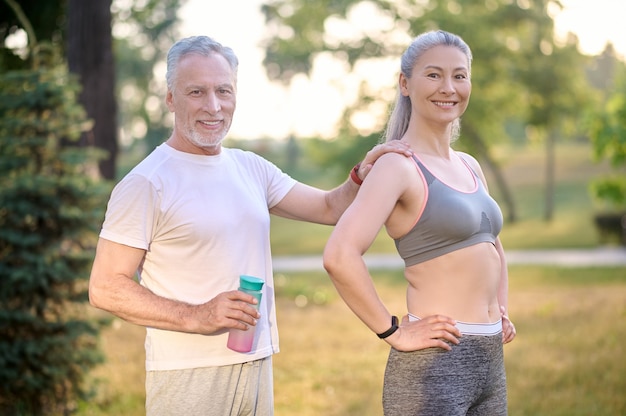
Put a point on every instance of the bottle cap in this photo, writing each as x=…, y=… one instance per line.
x=250, y=282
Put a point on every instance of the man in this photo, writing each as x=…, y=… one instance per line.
x=191, y=218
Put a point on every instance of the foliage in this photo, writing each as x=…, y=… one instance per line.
x=46, y=18
x=610, y=192
x=512, y=43
x=339, y=156
x=519, y=74
x=143, y=33
x=608, y=136
x=49, y=210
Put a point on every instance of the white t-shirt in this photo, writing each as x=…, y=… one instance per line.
x=203, y=221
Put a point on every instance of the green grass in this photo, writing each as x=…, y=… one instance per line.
x=569, y=355
x=567, y=360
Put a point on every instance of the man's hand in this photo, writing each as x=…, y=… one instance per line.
x=397, y=146
x=227, y=310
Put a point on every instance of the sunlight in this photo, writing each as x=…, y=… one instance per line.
x=311, y=106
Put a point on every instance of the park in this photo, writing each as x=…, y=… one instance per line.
x=546, y=122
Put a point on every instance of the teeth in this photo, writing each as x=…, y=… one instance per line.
x=442, y=104
x=210, y=123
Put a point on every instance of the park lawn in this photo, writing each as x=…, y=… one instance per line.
x=568, y=358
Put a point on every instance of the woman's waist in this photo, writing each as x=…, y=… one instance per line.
x=456, y=306
x=473, y=328
x=475, y=305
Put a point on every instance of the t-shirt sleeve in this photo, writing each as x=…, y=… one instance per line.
x=130, y=216
x=276, y=182
x=279, y=186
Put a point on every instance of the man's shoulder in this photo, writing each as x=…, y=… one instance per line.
x=244, y=156
x=150, y=163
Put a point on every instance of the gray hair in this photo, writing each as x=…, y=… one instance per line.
x=200, y=45
x=401, y=114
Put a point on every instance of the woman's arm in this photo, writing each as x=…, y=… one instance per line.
x=380, y=195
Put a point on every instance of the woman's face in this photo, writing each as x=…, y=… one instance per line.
x=439, y=86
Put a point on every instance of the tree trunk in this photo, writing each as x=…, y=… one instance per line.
x=90, y=56
x=550, y=168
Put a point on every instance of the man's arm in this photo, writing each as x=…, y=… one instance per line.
x=112, y=287
x=306, y=203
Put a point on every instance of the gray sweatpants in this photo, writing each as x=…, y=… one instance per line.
x=469, y=380
x=232, y=390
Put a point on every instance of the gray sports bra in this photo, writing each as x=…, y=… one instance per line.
x=450, y=219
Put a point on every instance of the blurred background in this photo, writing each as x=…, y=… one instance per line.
x=82, y=100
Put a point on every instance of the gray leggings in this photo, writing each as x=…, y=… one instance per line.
x=469, y=380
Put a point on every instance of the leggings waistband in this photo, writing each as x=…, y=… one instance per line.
x=467, y=328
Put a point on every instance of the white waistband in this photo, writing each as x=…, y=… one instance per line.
x=467, y=328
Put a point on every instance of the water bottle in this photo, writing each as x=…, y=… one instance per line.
x=241, y=340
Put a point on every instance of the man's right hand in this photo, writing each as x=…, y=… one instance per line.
x=227, y=310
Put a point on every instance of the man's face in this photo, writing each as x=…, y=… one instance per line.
x=203, y=100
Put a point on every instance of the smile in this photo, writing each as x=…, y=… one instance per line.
x=444, y=104
x=210, y=123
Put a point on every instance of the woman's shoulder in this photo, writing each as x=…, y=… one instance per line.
x=396, y=160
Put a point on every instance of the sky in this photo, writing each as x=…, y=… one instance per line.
x=312, y=107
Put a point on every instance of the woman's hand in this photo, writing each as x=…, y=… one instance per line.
x=429, y=332
x=508, y=329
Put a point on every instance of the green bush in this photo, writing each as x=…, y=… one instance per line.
x=50, y=208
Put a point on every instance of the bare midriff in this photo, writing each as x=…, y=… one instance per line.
x=462, y=284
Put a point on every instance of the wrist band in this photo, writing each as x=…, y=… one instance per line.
x=354, y=174
x=394, y=328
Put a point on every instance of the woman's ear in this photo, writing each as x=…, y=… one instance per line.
x=402, y=83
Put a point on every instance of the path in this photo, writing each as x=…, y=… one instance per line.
x=602, y=256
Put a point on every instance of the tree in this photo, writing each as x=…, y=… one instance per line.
x=501, y=34
x=90, y=57
x=86, y=28
x=50, y=210
x=607, y=128
x=556, y=94
x=45, y=20
x=147, y=30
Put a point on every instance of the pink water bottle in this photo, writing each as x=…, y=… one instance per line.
x=240, y=340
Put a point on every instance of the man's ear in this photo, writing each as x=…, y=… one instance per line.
x=169, y=101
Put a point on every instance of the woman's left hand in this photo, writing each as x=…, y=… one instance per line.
x=508, y=329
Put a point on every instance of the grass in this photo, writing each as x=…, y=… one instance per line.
x=568, y=358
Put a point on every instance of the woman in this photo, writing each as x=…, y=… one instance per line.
x=446, y=356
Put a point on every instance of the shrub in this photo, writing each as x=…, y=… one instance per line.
x=50, y=208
